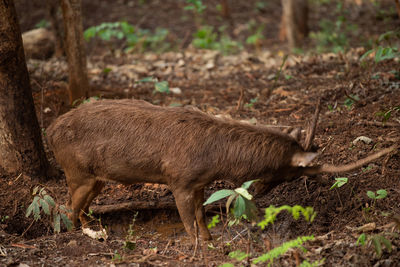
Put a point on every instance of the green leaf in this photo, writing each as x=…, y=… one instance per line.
x=67, y=222
x=49, y=200
x=247, y=184
x=243, y=192
x=371, y=194
x=147, y=79
x=361, y=239
x=57, y=227
x=36, y=208
x=377, y=246
x=29, y=210
x=240, y=207
x=250, y=210
x=215, y=220
x=382, y=193
x=386, y=243
x=366, y=54
x=339, y=182
x=89, y=33
x=226, y=265
x=35, y=190
x=45, y=206
x=238, y=255
x=218, y=195
x=130, y=245
x=229, y=202
x=162, y=87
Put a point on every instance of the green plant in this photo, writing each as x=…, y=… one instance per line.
x=4, y=218
x=380, y=194
x=272, y=212
x=116, y=257
x=195, y=5
x=207, y=38
x=159, y=87
x=252, y=102
x=130, y=239
x=387, y=114
x=383, y=52
x=333, y=34
x=341, y=181
x=376, y=240
x=78, y=102
x=135, y=38
x=282, y=249
x=42, y=201
x=214, y=221
x=42, y=24
x=349, y=101
x=243, y=206
x=257, y=36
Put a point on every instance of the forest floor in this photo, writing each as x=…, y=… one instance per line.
x=243, y=86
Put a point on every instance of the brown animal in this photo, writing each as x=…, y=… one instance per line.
x=131, y=141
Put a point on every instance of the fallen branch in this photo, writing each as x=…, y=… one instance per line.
x=141, y=205
x=380, y=124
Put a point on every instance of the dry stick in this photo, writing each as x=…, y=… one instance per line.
x=140, y=205
x=341, y=204
x=381, y=124
x=350, y=97
x=166, y=247
x=313, y=126
x=240, y=101
x=277, y=75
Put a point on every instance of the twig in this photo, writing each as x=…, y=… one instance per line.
x=380, y=124
x=166, y=247
x=3, y=251
x=305, y=185
x=313, y=126
x=240, y=101
x=26, y=230
x=341, y=204
x=239, y=234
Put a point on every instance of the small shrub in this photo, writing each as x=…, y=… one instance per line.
x=134, y=38
x=159, y=87
x=243, y=206
x=42, y=201
x=207, y=38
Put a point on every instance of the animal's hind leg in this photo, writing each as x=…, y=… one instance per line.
x=83, y=216
x=80, y=188
x=200, y=214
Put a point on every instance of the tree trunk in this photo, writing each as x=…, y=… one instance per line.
x=52, y=7
x=75, y=49
x=21, y=148
x=294, y=26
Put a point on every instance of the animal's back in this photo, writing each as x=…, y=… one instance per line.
x=111, y=137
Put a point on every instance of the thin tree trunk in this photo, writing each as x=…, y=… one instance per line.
x=75, y=49
x=21, y=148
x=52, y=9
x=226, y=12
x=294, y=26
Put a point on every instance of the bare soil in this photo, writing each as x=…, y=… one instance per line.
x=215, y=83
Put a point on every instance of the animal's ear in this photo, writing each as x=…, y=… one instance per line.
x=302, y=159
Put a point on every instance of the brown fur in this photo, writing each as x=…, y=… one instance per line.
x=132, y=141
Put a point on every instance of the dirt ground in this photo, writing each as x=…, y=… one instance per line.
x=352, y=97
